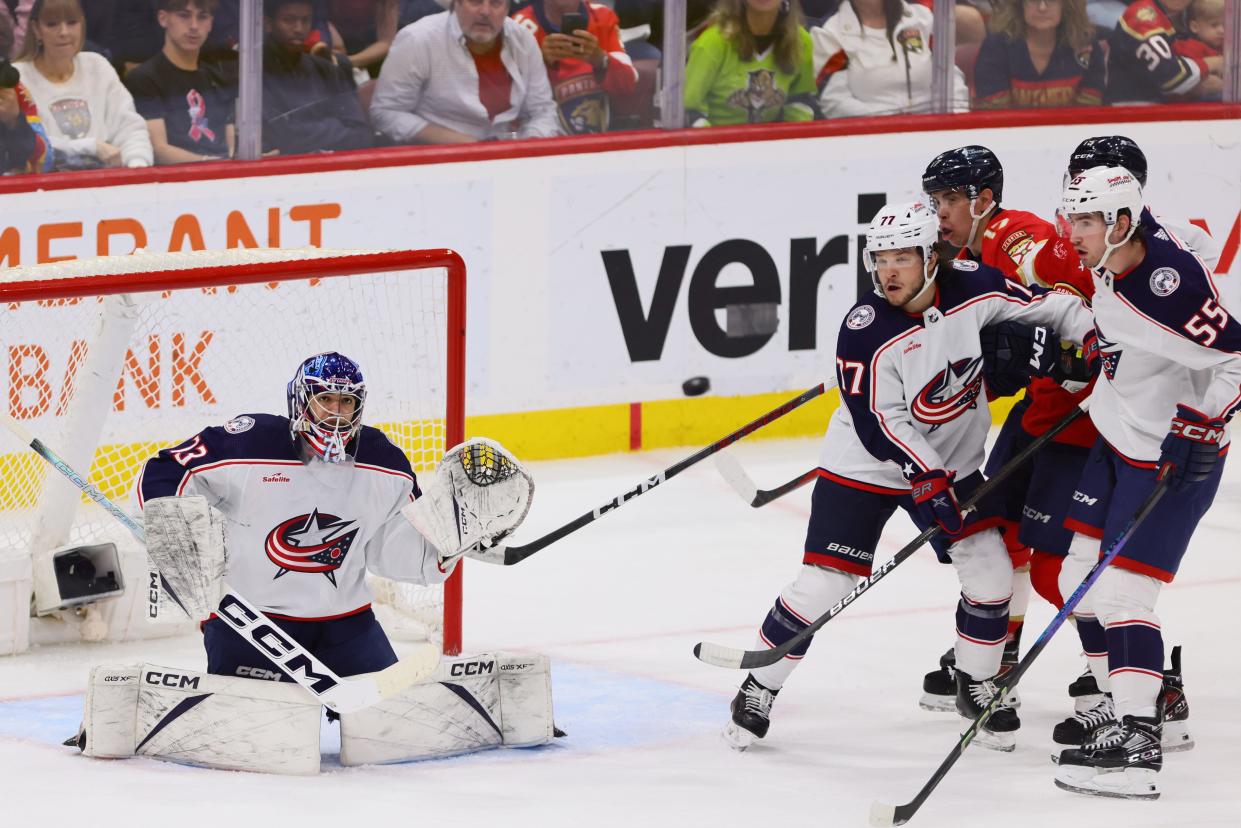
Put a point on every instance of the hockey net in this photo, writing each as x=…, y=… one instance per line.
x=111, y=359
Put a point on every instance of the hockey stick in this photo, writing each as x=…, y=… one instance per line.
x=509, y=555
x=344, y=695
x=730, y=469
x=730, y=657
x=882, y=814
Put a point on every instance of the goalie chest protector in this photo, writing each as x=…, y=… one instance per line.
x=298, y=532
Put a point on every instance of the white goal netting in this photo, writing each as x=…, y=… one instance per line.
x=109, y=360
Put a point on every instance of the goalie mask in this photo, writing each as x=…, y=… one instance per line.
x=899, y=226
x=327, y=427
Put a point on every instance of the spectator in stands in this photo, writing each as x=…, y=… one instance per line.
x=751, y=65
x=873, y=57
x=1206, y=30
x=1142, y=66
x=88, y=113
x=367, y=28
x=310, y=102
x=469, y=74
x=1040, y=53
x=23, y=141
x=187, y=102
x=585, y=67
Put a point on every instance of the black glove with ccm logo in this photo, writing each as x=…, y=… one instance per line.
x=1191, y=447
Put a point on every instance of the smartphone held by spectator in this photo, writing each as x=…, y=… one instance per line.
x=586, y=63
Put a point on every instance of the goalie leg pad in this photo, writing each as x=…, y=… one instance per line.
x=470, y=704
x=200, y=719
x=185, y=539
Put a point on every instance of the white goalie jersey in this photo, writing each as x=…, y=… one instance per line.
x=300, y=534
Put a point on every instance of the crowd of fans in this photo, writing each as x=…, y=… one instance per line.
x=107, y=83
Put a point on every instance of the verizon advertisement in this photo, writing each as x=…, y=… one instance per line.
x=611, y=277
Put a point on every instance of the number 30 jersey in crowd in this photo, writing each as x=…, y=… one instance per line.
x=300, y=533
x=912, y=385
x=1164, y=339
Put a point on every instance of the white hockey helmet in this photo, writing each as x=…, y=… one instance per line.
x=1106, y=190
x=897, y=226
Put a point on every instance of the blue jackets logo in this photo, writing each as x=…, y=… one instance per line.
x=950, y=393
x=317, y=542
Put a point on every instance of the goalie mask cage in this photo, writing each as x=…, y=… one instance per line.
x=111, y=359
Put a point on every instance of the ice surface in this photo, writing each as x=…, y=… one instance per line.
x=618, y=607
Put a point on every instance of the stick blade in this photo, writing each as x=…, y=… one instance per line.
x=883, y=814
x=497, y=555
x=719, y=656
x=732, y=472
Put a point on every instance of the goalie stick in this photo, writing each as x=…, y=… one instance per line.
x=721, y=656
x=730, y=469
x=341, y=694
x=882, y=814
x=509, y=555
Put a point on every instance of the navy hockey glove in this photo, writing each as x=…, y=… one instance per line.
x=1013, y=353
x=932, y=494
x=1191, y=447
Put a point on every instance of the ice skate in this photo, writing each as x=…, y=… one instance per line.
x=1176, y=735
x=1124, y=765
x=751, y=714
x=1085, y=727
x=939, y=688
x=1000, y=731
x=1084, y=691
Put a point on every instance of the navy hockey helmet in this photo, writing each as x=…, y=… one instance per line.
x=972, y=169
x=1109, y=151
x=327, y=434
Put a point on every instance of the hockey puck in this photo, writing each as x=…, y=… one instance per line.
x=696, y=386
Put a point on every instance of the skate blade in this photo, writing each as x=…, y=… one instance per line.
x=938, y=704
x=991, y=740
x=1147, y=791
x=1083, y=703
x=737, y=738
x=1176, y=737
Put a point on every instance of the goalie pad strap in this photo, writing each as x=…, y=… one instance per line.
x=200, y=719
x=469, y=704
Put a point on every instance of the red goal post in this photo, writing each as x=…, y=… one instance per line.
x=110, y=359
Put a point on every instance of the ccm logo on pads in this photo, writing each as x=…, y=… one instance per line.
x=1081, y=498
x=170, y=679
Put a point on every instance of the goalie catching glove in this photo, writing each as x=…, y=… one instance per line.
x=185, y=541
x=478, y=494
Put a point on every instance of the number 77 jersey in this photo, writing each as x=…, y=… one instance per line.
x=1164, y=339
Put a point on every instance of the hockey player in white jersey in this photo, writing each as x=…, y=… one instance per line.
x=293, y=512
x=910, y=434
x=1170, y=359
x=1120, y=151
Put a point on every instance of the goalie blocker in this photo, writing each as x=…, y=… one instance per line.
x=469, y=704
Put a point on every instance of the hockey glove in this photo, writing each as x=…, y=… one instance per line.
x=1013, y=353
x=1091, y=354
x=1191, y=447
x=1071, y=370
x=932, y=494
